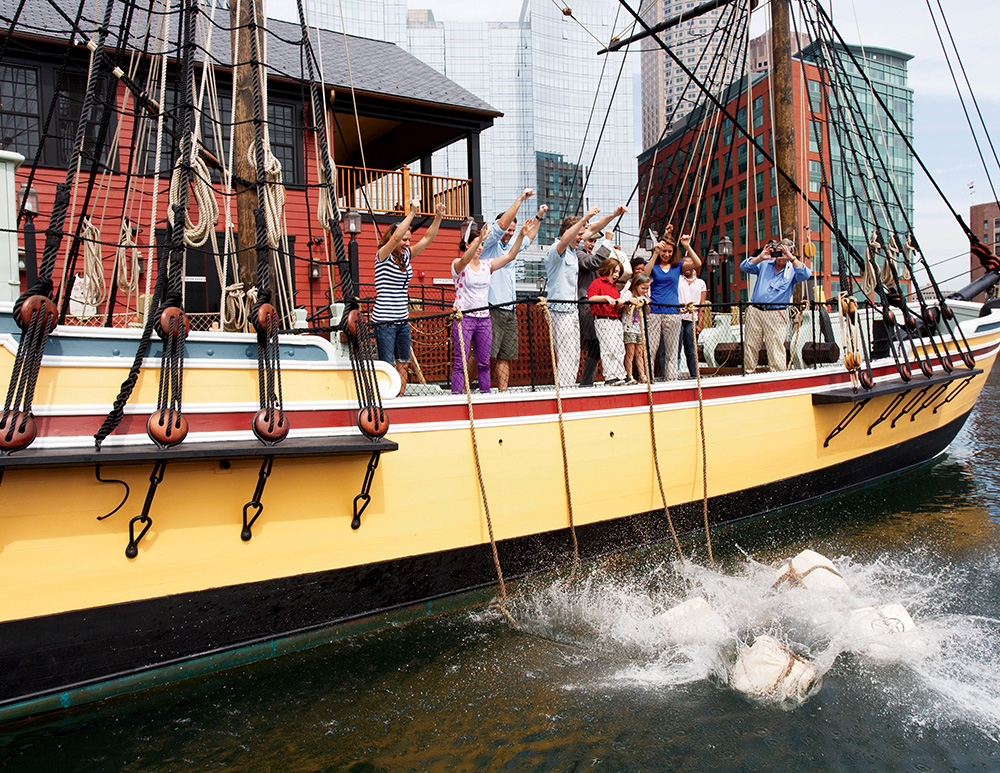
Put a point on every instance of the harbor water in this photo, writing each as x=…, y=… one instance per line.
x=591, y=681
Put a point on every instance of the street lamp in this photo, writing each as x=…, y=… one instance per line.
x=27, y=200
x=352, y=222
x=725, y=250
x=713, y=263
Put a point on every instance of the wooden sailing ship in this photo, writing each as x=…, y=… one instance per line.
x=254, y=492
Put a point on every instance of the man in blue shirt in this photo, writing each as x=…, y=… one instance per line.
x=503, y=315
x=778, y=271
x=562, y=271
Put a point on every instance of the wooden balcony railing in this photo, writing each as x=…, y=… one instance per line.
x=389, y=193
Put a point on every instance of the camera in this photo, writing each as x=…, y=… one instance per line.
x=774, y=249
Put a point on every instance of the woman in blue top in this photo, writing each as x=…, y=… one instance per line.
x=664, y=268
x=393, y=273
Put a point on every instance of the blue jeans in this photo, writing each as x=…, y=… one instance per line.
x=393, y=341
x=688, y=344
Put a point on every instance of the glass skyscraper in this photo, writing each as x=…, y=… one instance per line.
x=879, y=145
x=568, y=113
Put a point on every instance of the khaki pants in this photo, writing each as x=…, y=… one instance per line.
x=767, y=327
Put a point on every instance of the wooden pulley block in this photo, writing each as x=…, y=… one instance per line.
x=172, y=318
x=809, y=250
x=38, y=304
x=350, y=324
x=373, y=421
x=852, y=360
x=270, y=426
x=267, y=316
x=17, y=431
x=167, y=427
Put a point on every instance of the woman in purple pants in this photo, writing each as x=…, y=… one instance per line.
x=472, y=288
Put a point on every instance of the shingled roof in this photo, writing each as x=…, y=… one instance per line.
x=377, y=67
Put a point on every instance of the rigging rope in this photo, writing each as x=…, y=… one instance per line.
x=543, y=303
x=502, y=604
x=652, y=431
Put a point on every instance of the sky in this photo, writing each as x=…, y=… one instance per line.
x=941, y=135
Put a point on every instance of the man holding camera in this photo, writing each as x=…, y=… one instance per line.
x=778, y=271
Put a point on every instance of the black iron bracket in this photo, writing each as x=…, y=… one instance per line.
x=934, y=396
x=155, y=478
x=262, y=476
x=851, y=416
x=366, y=486
x=97, y=474
x=954, y=393
x=909, y=406
x=889, y=409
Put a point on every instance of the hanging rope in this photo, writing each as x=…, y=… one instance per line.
x=544, y=304
x=95, y=287
x=127, y=260
x=693, y=309
x=196, y=233
x=652, y=433
x=502, y=604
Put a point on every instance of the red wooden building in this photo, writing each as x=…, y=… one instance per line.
x=398, y=113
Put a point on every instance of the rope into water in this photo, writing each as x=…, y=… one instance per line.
x=543, y=302
x=652, y=435
x=502, y=604
x=693, y=308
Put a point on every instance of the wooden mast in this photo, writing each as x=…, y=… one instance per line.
x=783, y=123
x=244, y=172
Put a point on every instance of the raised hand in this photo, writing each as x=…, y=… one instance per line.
x=440, y=209
x=620, y=210
x=528, y=193
x=542, y=210
x=592, y=212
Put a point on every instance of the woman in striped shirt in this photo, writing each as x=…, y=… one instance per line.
x=393, y=273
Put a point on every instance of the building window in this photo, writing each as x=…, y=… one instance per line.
x=815, y=96
x=758, y=112
x=727, y=200
x=741, y=159
x=19, y=110
x=26, y=92
x=815, y=177
x=815, y=136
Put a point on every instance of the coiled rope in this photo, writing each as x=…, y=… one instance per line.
x=502, y=604
x=195, y=233
x=95, y=288
x=544, y=304
x=652, y=434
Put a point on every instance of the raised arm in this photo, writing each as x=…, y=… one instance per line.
x=595, y=230
x=537, y=221
x=574, y=231
x=420, y=246
x=515, y=247
x=692, y=256
x=460, y=263
x=397, y=236
x=657, y=249
x=507, y=217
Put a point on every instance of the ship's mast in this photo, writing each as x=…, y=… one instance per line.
x=242, y=14
x=783, y=124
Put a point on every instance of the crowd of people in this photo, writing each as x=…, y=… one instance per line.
x=596, y=299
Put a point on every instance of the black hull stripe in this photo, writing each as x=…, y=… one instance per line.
x=74, y=657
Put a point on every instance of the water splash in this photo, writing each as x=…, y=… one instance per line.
x=941, y=673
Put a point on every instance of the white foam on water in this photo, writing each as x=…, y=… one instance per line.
x=945, y=671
